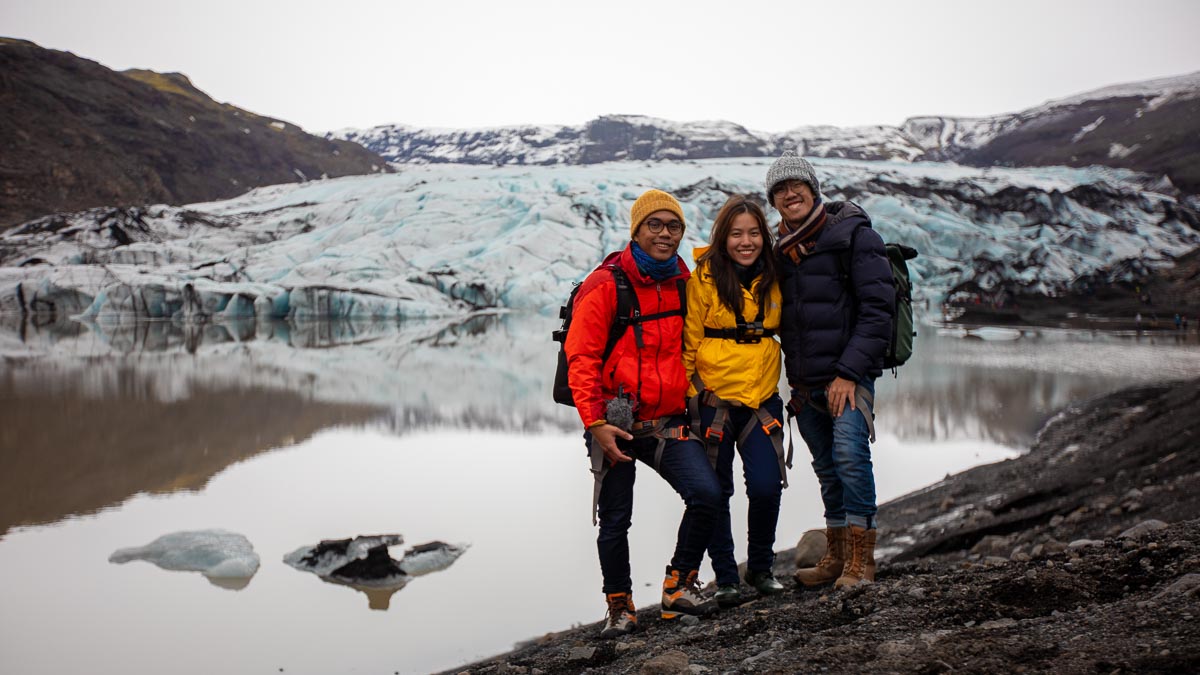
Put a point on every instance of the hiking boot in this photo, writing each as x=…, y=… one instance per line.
x=728, y=595
x=622, y=617
x=763, y=582
x=682, y=595
x=860, y=560
x=829, y=567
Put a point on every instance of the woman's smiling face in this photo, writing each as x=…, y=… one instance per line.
x=745, y=241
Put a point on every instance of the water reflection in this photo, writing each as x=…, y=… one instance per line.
x=1003, y=391
x=91, y=414
x=74, y=440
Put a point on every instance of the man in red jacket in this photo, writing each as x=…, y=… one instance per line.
x=642, y=381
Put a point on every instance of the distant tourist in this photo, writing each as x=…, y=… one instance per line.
x=1178, y=322
x=632, y=403
x=732, y=360
x=836, y=323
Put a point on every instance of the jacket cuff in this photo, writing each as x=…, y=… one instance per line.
x=847, y=373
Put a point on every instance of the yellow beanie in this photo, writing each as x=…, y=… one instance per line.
x=649, y=202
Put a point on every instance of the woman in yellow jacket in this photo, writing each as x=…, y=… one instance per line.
x=732, y=360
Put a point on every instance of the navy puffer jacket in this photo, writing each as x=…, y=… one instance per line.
x=833, y=325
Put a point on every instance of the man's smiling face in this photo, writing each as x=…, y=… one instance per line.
x=794, y=200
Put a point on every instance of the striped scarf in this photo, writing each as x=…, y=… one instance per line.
x=797, y=243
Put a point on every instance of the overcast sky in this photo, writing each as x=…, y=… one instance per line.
x=769, y=66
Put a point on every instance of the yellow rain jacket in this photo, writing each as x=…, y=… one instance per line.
x=746, y=373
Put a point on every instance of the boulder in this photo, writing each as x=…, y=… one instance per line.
x=668, y=663
x=1143, y=528
x=1188, y=584
x=810, y=548
x=993, y=546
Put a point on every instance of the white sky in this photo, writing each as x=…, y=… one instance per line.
x=769, y=66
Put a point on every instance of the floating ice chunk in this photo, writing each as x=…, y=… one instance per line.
x=993, y=333
x=226, y=558
x=363, y=563
x=432, y=557
x=363, y=558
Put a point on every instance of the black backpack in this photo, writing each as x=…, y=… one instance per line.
x=628, y=314
x=900, y=347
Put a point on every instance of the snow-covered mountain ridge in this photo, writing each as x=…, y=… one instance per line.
x=1150, y=126
x=447, y=240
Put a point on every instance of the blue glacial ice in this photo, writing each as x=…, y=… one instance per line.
x=447, y=240
x=226, y=558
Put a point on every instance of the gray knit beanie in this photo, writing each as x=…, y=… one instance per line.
x=791, y=166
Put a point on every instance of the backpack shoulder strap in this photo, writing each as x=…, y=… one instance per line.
x=845, y=257
x=627, y=309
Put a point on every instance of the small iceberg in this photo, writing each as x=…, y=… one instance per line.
x=986, y=333
x=363, y=563
x=995, y=333
x=227, y=559
x=432, y=557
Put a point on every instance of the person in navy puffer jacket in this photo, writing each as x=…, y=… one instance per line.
x=838, y=302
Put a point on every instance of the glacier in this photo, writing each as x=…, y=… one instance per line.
x=451, y=240
x=227, y=559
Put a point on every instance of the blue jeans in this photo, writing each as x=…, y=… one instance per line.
x=685, y=467
x=841, y=452
x=764, y=485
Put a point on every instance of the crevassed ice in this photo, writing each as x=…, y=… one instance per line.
x=443, y=241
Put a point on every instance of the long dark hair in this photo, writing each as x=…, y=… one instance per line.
x=721, y=266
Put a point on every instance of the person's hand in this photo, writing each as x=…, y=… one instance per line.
x=796, y=403
x=606, y=436
x=839, y=394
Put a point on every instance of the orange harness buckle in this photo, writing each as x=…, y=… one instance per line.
x=770, y=428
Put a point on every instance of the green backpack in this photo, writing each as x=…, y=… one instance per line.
x=900, y=347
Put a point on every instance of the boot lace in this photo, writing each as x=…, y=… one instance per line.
x=618, y=605
x=856, y=565
x=691, y=584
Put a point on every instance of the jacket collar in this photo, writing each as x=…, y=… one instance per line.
x=624, y=259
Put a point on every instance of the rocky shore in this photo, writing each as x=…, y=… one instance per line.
x=1157, y=297
x=1082, y=556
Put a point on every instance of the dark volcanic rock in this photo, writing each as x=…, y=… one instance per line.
x=624, y=137
x=1132, y=133
x=75, y=135
x=1112, y=604
x=1151, y=127
x=1094, y=301
x=1094, y=471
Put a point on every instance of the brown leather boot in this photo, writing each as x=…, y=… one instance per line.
x=860, y=559
x=829, y=567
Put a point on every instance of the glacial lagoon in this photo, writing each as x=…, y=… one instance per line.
x=112, y=436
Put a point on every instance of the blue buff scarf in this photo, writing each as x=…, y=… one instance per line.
x=658, y=270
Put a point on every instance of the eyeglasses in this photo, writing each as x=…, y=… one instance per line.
x=788, y=186
x=656, y=226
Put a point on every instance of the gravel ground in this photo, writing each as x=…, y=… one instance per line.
x=1081, y=557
